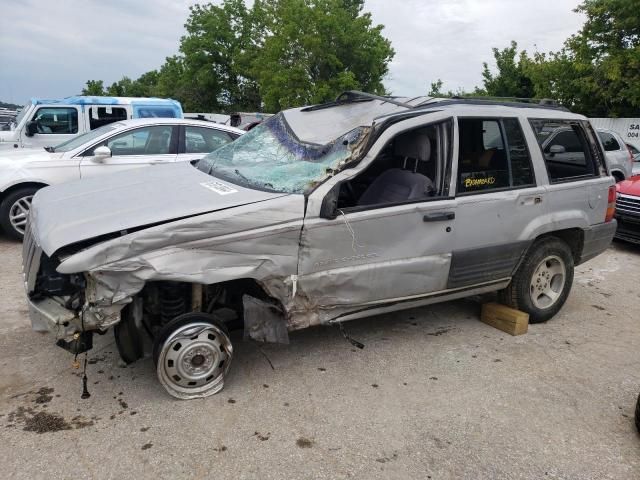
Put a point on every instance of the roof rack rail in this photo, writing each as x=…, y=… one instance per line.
x=532, y=100
x=516, y=102
x=354, y=96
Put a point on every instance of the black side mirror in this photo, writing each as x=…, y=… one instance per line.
x=329, y=207
x=31, y=129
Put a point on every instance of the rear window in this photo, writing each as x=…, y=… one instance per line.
x=100, y=116
x=609, y=142
x=492, y=155
x=566, y=149
x=156, y=112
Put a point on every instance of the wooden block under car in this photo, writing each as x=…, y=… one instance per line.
x=507, y=319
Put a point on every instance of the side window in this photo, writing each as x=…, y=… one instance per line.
x=155, y=112
x=156, y=140
x=521, y=167
x=99, y=116
x=56, y=120
x=609, y=142
x=565, y=147
x=411, y=167
x=204, y=140
x=492, y=155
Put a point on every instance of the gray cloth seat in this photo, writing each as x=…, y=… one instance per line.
x=398, y=185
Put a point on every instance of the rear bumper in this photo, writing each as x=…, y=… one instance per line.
x=597, y=239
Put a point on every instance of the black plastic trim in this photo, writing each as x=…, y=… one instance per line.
x=481, y=265
x=597, y=239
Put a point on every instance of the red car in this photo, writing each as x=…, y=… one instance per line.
x=628, y=210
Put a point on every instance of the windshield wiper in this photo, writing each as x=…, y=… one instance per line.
x=237, y=172
x=50, y=149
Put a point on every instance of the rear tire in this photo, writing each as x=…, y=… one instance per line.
x=14, y=211
x=543, y=281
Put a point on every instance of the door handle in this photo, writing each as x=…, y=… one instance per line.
x=439, y=216
x=533, y=200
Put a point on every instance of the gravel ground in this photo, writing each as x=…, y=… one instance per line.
x=435, y=394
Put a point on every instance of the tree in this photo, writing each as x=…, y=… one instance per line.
x=214, y=56
x=315, y=49
x=94, y=87
x=435, y=90
x=511, y=80
x=273, y=55
x=607, y=49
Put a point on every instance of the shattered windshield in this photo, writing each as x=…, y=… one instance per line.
x=270, y=157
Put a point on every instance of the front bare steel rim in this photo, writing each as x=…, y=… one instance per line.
x=19, y=213
x=194, y=361
x=548, y=282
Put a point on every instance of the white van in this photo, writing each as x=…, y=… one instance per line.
x=43, y=123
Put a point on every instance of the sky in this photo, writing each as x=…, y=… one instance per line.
x=50, y=49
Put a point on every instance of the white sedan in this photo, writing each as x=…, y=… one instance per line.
x=111, y=148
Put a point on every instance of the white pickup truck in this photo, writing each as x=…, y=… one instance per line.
x=44, y=123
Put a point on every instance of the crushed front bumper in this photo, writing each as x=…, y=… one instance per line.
x=47, y=315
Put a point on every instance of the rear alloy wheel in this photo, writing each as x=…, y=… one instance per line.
x=193, y=354
x=543, y=281
x=547, y=282
x=14, y=211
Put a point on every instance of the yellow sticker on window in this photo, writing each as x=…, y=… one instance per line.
x=479, y=182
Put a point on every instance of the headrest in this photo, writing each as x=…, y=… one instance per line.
x=413, y=144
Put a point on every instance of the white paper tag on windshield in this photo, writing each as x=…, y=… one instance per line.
x=219, y=187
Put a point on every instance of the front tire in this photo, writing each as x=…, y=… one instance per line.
x=14, y=211
x=543, y=281
x=193, y=354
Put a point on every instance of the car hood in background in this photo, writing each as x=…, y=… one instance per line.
x=76, y=211
x=14, y=156
x=630, y=187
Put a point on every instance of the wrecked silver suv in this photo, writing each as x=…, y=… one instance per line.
x=319, y=215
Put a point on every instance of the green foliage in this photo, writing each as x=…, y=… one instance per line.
x=435, y=90
x=596, y=73
x=316, y=49
x=94, y=87
x=273, y=55
x=511, y=79
x=11, y=106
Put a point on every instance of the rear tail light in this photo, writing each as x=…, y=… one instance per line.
x=611, y=204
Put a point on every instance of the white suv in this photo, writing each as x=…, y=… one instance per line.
x=619, y=156
x=107, y=149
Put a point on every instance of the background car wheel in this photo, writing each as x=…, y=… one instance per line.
x=192, y=353
x=14, y=211
x=543, y=281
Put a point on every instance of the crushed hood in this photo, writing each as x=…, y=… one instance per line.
x=72, y=212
